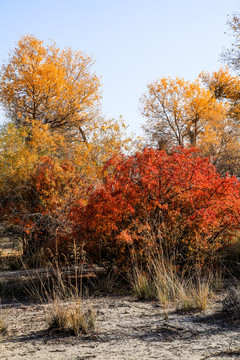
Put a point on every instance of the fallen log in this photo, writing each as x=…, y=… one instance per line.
x=64, y=271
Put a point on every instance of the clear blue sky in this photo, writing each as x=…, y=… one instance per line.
x=133, y=41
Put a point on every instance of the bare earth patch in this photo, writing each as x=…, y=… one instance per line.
x=126, y=329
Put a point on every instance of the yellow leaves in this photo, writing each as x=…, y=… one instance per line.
x=106, y=139
x=221, y=83
x=43, y=141
x=21, y=148
x=222, y=139
x=179, y=111
x=184, y=113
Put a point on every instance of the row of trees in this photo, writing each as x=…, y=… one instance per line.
x=63, y=180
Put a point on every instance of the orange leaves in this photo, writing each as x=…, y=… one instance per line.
x=45, y=83
x=221, y=83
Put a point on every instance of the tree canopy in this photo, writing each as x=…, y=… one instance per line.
x=179, y=112
x=202, y=113
x=56, y=87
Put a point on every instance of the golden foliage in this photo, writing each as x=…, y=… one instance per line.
x=179, y=112
x=184, y=113
x=225, y=87
x=21, y=148
x=51, y=85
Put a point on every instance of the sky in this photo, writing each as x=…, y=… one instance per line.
x=133, y=42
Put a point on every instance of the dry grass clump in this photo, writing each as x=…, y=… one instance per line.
x=160, y=280
x=195, y=296
x=169, y=285
x=157, y=281
x=70, y=318
x=62, y=288
x=64, y=313
x=231, y=304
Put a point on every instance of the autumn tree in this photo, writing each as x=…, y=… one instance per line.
x=225, y=88
x=19, y=156
x=56, y=142
x=56, y=87
x=179, y=112
x=226, y=84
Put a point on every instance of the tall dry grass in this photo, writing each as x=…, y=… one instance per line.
x=160, y=278
x=62, y=290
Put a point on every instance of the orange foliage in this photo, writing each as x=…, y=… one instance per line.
x=45, y=83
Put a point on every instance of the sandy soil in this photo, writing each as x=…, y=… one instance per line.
x=126, y=329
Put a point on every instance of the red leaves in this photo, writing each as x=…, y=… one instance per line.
x=177, y=201
x=180, y=195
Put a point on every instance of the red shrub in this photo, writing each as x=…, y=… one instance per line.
x=178, y=201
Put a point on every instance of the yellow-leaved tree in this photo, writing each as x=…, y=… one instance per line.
x=178, y=111
x=56, y=87
x=225, y=88
x=21, y=150
x=184, y=113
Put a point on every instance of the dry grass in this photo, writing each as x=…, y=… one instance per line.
x=196, y=295
x=70, y=318
x=63, y=292
x=161, y=281
x=169, y=285
x=142, y=285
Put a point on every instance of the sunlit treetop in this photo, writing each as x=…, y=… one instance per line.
x=54, y=86
x=179, y=112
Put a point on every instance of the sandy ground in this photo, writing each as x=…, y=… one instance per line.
x=126, y=329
